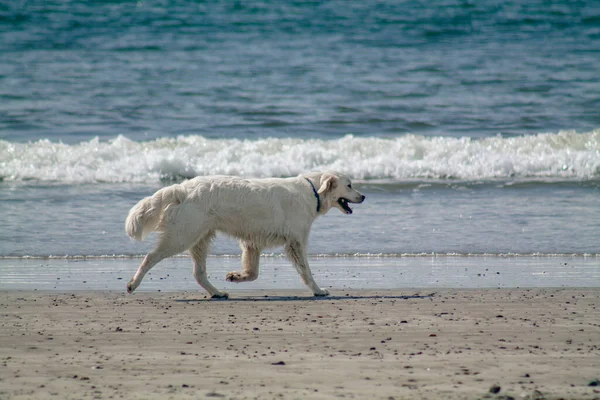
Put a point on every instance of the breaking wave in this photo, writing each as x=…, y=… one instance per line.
x=566, y=155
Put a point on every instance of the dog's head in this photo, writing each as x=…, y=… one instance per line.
x=336, y=191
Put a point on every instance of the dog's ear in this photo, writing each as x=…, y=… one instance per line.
x=328, y=182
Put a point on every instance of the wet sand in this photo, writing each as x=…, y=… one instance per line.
x=332, y=273
x=430, y=344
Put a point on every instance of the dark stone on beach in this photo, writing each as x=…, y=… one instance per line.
x=594, y=382
x=495, y=389
x=499, y=316
x=214, y=394
x=537, y=395
x=278, y=363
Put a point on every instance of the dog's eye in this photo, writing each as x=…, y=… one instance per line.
x=349, y=186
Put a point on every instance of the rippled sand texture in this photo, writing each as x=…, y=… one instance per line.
x=451, y=344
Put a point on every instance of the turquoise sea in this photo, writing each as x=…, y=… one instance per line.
x=473, y=127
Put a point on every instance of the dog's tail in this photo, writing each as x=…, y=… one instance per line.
x=147, y=214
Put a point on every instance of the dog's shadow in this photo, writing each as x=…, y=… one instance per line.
x=309, y=298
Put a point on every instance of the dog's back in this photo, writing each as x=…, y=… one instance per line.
x=250, y=209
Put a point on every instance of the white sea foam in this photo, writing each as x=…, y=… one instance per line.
x=566, y=155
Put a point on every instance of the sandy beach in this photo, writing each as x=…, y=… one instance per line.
x=430, y=344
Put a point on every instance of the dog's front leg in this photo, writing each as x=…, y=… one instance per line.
x=297, y=255
x=250, y=261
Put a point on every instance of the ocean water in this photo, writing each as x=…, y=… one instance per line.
x=473, y=127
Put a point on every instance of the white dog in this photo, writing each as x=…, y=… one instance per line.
x=260, y=212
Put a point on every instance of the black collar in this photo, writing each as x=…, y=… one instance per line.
x=316, y=194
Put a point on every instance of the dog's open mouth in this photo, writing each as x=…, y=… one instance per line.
x=344, y=204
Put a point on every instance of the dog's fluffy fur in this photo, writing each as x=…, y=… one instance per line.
x=262, y=213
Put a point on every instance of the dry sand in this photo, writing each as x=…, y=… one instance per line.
x=452, y=344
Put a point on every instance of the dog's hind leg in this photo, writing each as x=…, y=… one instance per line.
x=199, y=252
x=167, y=247
x=297, y=255
x=250, y=261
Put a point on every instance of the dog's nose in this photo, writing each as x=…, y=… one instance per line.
x=363, y=198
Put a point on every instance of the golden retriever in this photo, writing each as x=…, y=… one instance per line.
x=262, y=213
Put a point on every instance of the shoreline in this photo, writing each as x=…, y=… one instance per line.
x=379, y=344
x=332, y=273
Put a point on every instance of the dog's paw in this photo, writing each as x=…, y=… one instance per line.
x=234, y=276
x=220, y=295
x=322, y=293
x=130, y=287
